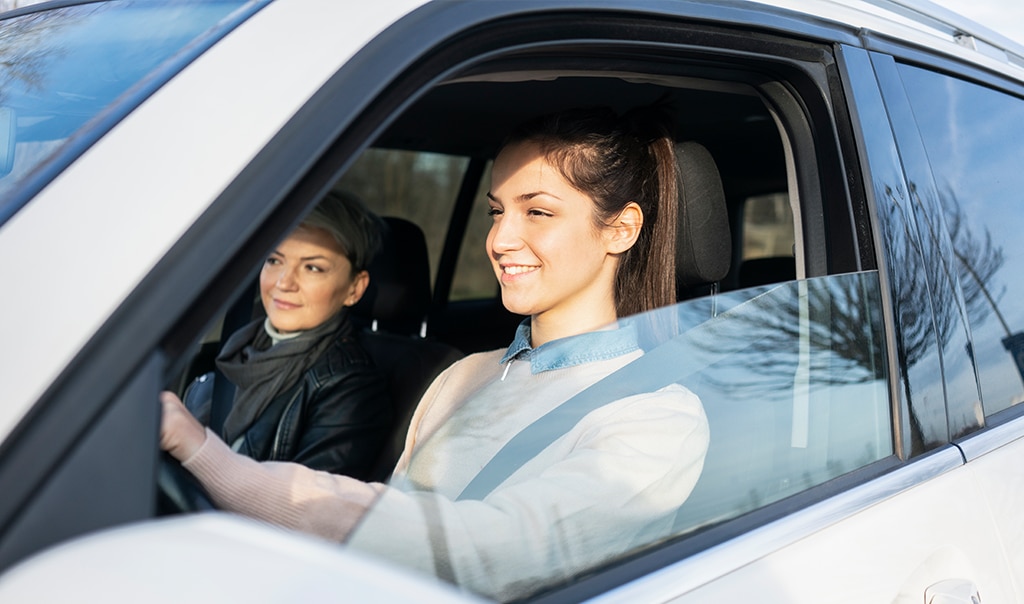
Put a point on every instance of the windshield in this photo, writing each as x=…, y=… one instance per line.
x=668, y=423
x=68, y=74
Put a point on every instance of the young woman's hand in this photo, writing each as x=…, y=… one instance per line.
x=181, y=434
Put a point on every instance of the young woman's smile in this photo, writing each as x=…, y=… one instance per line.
x=552, y=260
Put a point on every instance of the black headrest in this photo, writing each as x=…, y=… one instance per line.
x=703, y=240
x=398, y=297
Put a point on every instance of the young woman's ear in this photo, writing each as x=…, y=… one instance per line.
x=625, y=229
x=358, y=288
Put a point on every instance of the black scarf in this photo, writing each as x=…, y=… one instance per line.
x=262, y=370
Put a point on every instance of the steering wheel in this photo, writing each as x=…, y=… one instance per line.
x=178, y=491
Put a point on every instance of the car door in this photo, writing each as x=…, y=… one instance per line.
x=841, y=481
x=936, y=527
x=956, y=145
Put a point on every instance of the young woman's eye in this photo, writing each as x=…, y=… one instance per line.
x=536, y=212
x=272, y=261
x=314, y=268
x=495, y=211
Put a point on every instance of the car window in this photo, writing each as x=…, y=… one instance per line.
x=419, y=186
x=979, y=185
x=792, y=379
x=789, y=376
x=767, y=226
x=768, y=249
x=423, y=187
x=61, y=69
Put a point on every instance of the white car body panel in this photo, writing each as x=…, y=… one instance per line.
x=923, y=23
x=890, y=551
x=147, y=181
x=214, y=558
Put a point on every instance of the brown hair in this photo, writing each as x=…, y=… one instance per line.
x=615, y=160
x=356, y=229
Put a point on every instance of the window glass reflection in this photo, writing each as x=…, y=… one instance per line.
x=791, y=379
x=62, y=67
x=972, y=135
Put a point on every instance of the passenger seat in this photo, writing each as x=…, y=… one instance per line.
x=393, y=312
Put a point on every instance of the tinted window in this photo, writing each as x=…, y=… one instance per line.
x=972, y=136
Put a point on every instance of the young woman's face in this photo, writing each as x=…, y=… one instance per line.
x=307, y=279
x=552, y=261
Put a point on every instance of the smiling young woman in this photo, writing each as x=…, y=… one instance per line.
x=580, y=200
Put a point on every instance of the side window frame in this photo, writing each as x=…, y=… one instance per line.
x=908, y=329
x=824, y=200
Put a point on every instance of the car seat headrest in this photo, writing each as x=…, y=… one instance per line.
x=398, y=297
x=703, y=237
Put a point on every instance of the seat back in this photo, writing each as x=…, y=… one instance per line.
x=398, y=297
x=703, y=237
x=394, y=312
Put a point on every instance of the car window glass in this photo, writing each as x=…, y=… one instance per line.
x=791, y=379
x=979, y=183
x=418, y=186
x=767, y=226
x=474, y=277
x=768, y=250
x=61, y=68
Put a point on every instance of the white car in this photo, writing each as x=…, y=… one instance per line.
x=848, y=312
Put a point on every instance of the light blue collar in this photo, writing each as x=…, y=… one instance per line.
x=572, y=350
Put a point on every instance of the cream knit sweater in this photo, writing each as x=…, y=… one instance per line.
x=607, y=487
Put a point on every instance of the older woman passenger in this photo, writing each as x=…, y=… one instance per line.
x=306, y=391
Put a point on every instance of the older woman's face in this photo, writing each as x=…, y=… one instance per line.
x=307, y=279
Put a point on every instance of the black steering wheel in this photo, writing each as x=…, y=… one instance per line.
x=178, y=491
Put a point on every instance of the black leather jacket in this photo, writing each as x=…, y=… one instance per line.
x=337, y=418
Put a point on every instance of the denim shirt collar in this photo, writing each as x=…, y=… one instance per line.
x=572, y=350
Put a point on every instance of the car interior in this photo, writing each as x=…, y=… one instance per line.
x=415, y=321
x=754, y=211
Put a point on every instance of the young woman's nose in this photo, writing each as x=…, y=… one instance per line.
x=505, y=234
